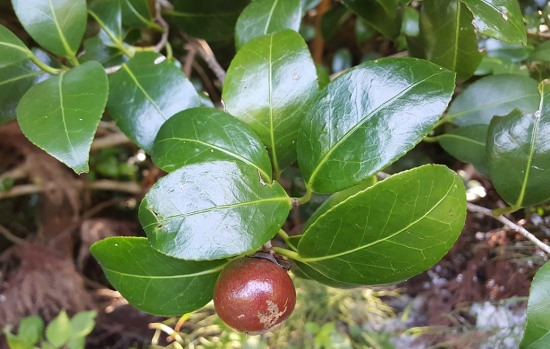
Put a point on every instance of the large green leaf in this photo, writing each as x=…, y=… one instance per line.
x=96, y=50
x=212, y=210
x=12, y=50
x=537, y=329
x=57, y=25
x=388, y=232
x=382, y=15
x=205, y=134
x=61, y=114
x=136, y=13
x=467, y=144
x=263, y=17
x=212, y=20
x=448, y=36
x=493, y=95
x=311, y=273
x=15, y=80
x=108, y=13
x=500, y=19
x=153, y=282
x=145, y=93
x=267, y=85
x=518, y=149
x=367, y=118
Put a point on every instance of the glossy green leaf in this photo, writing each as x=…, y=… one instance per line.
x=75, y=343
x=12, y=49
x=388, y=232
x=497, y=66
x=205, y=134
x=467, y=144
x=312, y=274
x=145, y=93
x=518, y=149
x=493, y=95
x=537, y=329
x=30, y=328
x=61, y=114
x=448, y=36
x=382, y=15
x=504, y=50
x=212, y=210
x=338, y=197
x=367, y=118
x=267, y=85
x=57, y=25
x=58, y=330
x=96, y=50
x=213, y=20
x=263, y=17
x=500, y=19
x=108, y=14
x=153, y=282
x=15, y=80
x=136, y=13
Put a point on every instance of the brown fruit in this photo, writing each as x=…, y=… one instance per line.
x=254, y=295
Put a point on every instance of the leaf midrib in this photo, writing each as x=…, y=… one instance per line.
x=62, y=110
x=268, y=22
x=216, y=208
x=64, y=42
x=531, y=151
x=486, y=106
x=323, y=160
x=226, y=151
x=317, y=259
x=452, y=135
x=143, y=91
x=163, y=277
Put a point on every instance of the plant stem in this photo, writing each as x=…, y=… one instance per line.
x=304, y=199
x=515, y=227
x=72, y=58
x=429, y=139
x=43, y=66
x=283, y=234
x=287, y=253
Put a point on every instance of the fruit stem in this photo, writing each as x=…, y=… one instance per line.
x=429, y=139
x=287, y=253
x=283, y=234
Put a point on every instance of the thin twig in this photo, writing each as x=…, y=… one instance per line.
x=15, y=173
x=110, y=141
x=207, y=55
x=508, y=223
x=104, y=184
x=10, y=236
x=165, y=28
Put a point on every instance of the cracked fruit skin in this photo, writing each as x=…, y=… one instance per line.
x=254, y=295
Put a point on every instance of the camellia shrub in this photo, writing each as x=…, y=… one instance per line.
x=209, y=221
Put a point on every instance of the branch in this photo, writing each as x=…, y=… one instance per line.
x=10, y=236
x=508, y=223
x=109, y=141
x=207, y=55
x=104, y=184
x=165, y=28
